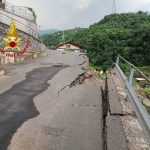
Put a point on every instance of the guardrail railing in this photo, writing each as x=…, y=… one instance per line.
x=6, y=20
x=141, y=112
x=20, y=11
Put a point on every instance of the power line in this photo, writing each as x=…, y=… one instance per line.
x=114, y=7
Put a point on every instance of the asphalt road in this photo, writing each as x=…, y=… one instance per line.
x=16, y=104
x=41, y=112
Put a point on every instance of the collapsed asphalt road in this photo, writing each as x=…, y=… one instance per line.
x=16, y=104
x=43, y=111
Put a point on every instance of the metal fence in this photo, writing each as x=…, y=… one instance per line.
x=140, y=110
x=20, y=11
x=6, y=20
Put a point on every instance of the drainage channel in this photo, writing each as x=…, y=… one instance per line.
x=16, y=104
x=112, y=131
x=105, y=109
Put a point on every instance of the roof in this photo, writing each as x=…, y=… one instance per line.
x=68, y=42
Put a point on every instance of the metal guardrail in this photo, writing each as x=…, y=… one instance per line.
x=141, y=113
x=134, y=68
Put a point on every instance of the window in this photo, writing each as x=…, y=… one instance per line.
x=68, y=46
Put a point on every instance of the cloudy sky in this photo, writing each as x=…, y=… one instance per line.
x=64, y=14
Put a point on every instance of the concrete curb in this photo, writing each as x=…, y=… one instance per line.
x=114, y=102
x=116, y=139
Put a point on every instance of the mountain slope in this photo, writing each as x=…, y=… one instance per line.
x=126, y=34
x=49, y=31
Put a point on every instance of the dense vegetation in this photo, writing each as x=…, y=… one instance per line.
x=33, y=12
x=126, y=34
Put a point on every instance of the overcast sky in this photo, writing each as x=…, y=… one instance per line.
x=64, y=14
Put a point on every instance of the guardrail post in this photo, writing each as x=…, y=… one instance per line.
x=131, y=74
x=140, y=111
x=117, y=62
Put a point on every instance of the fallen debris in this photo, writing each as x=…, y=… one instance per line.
x=2, y=71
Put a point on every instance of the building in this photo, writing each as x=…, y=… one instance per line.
x=68, y=46
x=2, y=5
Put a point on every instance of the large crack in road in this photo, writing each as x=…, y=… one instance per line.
x=16, y=104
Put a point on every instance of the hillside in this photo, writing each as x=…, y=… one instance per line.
x=126, y=34
x=49, y=31
x=56, y=38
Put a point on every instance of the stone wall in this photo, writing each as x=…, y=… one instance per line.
x=33, y=51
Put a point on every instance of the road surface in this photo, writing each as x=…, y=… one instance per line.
x=39, y=110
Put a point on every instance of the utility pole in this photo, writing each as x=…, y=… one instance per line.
x=63, y=37
x=114, y=7
x=63, y=32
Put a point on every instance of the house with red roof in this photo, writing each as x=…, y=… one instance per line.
x=68, y=46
